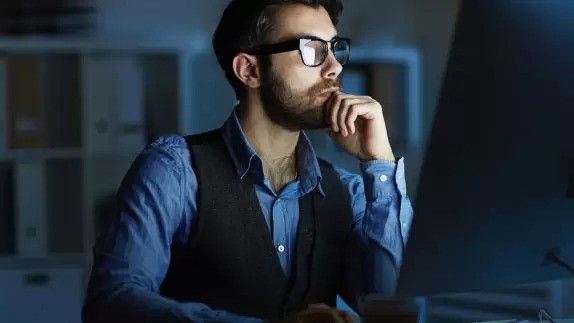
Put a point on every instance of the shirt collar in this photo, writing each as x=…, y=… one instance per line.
x=244, y=157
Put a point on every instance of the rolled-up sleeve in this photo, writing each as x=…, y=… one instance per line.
x=388, y=212
x=382, y=219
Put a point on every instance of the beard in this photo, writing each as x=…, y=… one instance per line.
x=289, y=109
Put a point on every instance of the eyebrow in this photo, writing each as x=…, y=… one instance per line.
x=315, y=36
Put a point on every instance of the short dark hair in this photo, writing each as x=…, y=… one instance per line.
x=246, y=24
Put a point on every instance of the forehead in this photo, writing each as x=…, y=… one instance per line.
x=298, y=20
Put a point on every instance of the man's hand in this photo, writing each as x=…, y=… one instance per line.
x=358, y=126
x=321, y=313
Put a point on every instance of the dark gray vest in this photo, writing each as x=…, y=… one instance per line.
x=231, y=263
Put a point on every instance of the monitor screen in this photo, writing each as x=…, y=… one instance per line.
x=493, y=197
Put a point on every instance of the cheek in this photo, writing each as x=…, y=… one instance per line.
x=296, y=76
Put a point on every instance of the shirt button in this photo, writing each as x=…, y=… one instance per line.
x=281, y=248
x=383, y=178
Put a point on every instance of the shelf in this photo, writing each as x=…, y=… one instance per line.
x=57, y=260
x=74, y=115
x=113, y=155
x=87, y=44
x=34, y=154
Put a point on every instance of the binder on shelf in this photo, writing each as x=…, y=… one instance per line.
x=3, y=107
x=62, y=102
x=99, y=95
x=115, y=103
x=129, y=103
x=6, y=209
x=26, y=118
x=64, y=206
x=30, y=191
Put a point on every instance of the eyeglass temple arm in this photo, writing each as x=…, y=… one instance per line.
x=274, y=48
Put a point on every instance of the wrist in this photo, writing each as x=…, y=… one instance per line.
x=384, y=157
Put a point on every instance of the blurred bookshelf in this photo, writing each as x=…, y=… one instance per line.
x=74, y=114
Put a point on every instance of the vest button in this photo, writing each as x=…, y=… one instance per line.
x=281, y=248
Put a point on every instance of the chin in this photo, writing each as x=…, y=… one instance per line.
x=313, y=123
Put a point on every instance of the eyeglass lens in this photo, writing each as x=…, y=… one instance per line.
x=314, y=52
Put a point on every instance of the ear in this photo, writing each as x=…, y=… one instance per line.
x=246, y=69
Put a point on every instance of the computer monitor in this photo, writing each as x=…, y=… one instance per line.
x=493, y=202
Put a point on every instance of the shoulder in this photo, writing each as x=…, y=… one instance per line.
x=171, y=144
x=167, y=153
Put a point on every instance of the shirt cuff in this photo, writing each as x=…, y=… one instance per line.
x=383, y=179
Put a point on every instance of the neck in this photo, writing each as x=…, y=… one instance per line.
x=276, y=146
x=271, y=142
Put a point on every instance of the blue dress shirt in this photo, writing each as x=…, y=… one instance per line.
x=157, y=207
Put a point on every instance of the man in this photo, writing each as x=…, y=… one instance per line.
x=244, y=223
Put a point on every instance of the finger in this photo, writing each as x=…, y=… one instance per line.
x=348, y=317
x=349, y=123
x=334, y=106
x=334, y=111
x=363, y=110
x=337, y=317
x=315, y=314
x=345, y=123
x=344, y=111
x=346, y=104
x=328, y=106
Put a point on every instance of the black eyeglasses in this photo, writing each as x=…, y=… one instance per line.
x=313, y=50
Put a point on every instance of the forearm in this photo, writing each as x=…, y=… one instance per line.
x=385, y=243
x=381, y=270
x=132, y=303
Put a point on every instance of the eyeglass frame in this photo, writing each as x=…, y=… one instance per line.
x=296, y=44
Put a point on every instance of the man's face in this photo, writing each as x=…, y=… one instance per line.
x=293, y=94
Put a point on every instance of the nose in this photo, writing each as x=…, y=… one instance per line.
x=331, y=67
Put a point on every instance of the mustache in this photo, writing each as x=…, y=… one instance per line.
x=325, y=85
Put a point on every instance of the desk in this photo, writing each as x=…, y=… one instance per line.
x=386, y=309
x=519, y=302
